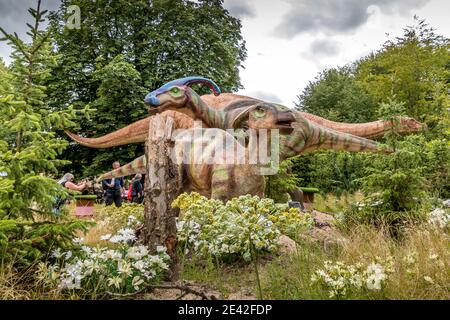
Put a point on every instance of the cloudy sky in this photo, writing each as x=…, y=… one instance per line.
x=290, y=41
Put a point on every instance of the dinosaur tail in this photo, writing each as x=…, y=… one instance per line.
x=138, y=165
x=328, y=139
x=134, y=133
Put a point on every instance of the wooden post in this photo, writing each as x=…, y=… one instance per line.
x=162, y=187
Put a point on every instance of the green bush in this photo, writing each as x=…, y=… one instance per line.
x=208, y=227
x=128, y=214
x=279, y=184
x=23, y=243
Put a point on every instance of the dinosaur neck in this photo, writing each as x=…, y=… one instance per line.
x=201, y=110
x=308, y=136
x=366, y=130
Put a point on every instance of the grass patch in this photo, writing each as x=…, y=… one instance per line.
x=421, y=265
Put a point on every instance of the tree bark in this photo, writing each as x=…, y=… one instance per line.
x=162, y=186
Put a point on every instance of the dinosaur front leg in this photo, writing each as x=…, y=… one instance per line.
x=222, y=182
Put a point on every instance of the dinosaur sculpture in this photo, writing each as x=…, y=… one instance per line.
x=232, y=111
x=308, y=136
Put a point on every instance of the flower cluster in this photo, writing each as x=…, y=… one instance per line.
x=440, y=218
x=341, y=279
x=210, y=227
x=124, y=235
x=124, y=269
x=129, y=214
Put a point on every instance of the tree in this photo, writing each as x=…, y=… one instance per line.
x=395, y=182
x=336, y=95
x=28, y=150
x=413, y=68
x=160, y=40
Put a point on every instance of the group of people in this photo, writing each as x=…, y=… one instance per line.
x=113, y=188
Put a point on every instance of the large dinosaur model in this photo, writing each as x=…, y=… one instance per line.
x=309, y=136
x=251, y=113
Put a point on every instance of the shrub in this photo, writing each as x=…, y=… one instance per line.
x=23, y=243
x=97, y=271
x=285, y=180
x=128, y=214
x=231, y=230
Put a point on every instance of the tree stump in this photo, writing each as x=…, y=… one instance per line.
x=162, y=187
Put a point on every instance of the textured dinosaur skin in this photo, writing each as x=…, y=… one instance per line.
x=137, y=131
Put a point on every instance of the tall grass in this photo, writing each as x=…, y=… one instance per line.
x=428, y=277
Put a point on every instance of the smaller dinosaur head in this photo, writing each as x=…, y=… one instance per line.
x=266, y=116
x=175, y=94
x=410, y=125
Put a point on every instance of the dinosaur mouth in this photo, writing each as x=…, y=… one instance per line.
x=152, y=110
x=284, y=122
x=285, y=127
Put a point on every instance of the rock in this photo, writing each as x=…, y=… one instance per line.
x=446, y=203
x=322, y=219
x=287, y=245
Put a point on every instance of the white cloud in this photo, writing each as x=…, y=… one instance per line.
x=240, y=9
x=336, y=17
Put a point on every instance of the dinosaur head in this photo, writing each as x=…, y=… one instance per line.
x=266, y=116
x=176, y=94
x=410, y=125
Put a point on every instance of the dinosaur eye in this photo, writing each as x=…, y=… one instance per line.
x=175, y=90
x=260, y=112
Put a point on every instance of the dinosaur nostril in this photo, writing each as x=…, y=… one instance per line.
x=151, y=100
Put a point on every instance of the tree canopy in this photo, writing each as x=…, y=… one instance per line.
x=123, y=51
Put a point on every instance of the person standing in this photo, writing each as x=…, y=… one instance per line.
x=66, y=182
x=137, y=189
x=113, y=188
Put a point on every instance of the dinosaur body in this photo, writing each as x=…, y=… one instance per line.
x=241, y=113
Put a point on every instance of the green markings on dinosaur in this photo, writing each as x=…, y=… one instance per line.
x=322, y=136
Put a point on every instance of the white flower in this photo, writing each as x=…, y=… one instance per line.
x=410, y=258
x=57, y=253
x=105, y=237
x=115, y=281
x=160, y=249
x=428, y=279
x=375, y=275
x=136, y=282
x=68, y=255
x=140, y=265
x=113, y=254
x=124, y=235
x=78, y=240
x=434, y=256
x=86, y=249
x=439, y=218
x=137, y=252
x=124, y=268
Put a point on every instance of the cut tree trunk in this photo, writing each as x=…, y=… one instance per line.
x=162, y=187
